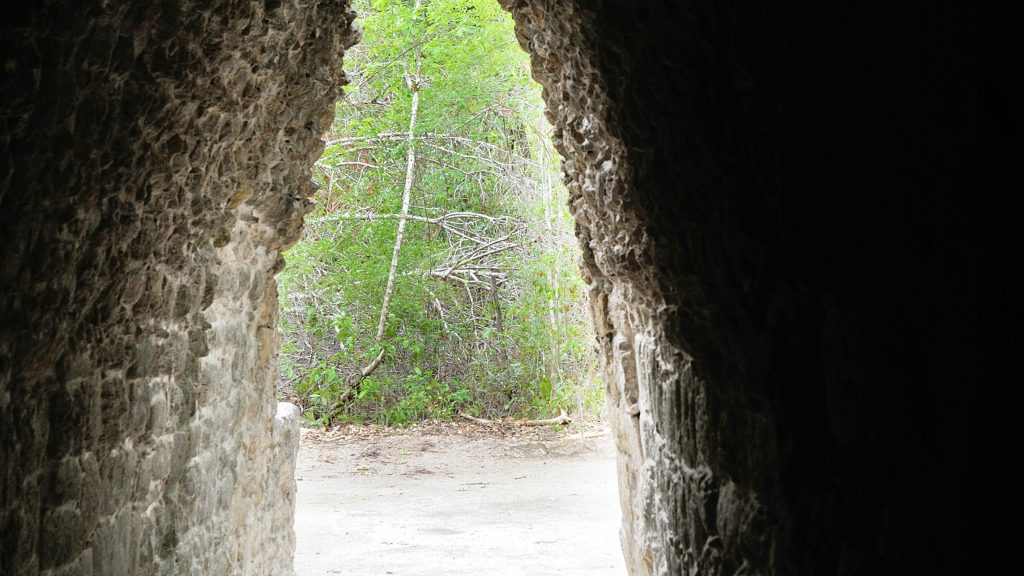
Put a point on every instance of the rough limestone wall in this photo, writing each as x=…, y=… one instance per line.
x=670, y=495
x=796, y=222
x=154, y=164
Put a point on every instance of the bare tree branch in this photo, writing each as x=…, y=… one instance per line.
x=410, y=172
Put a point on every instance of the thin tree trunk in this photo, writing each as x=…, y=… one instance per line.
x=552, y=276
x=499, y=322
x=414, y=87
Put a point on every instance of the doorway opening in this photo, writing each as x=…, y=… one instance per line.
x=436, y=334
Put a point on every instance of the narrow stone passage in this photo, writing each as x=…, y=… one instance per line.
x=435, y=501
x=798, y=224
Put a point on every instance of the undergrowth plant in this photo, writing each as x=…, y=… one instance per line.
x=438, y=272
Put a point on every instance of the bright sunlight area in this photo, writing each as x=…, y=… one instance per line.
x=436, y=333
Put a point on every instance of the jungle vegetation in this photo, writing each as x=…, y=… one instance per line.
x=438, y=272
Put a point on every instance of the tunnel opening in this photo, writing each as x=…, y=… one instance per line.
x=435, y=329
x=438, y=271
x=795, y=221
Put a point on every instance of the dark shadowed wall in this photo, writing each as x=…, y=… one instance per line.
x=801, y=225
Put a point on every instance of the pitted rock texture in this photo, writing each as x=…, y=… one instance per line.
x=800, y=223
x=795, y=223
x=154, y=164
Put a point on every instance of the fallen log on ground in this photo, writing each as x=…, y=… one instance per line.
x=562, y=418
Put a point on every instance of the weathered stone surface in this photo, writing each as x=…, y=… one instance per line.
x=154, y=164
x=799, y=221
x=282, y=485
x=793, y=219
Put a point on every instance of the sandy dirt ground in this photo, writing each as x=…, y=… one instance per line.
x=458, y=499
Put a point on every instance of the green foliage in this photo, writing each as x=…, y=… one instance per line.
x=521, y=348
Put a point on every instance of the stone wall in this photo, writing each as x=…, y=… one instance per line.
x=795, y=222
x=799, y=222
x=154, y=164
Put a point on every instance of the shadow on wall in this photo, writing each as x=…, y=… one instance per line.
x=800, y=222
